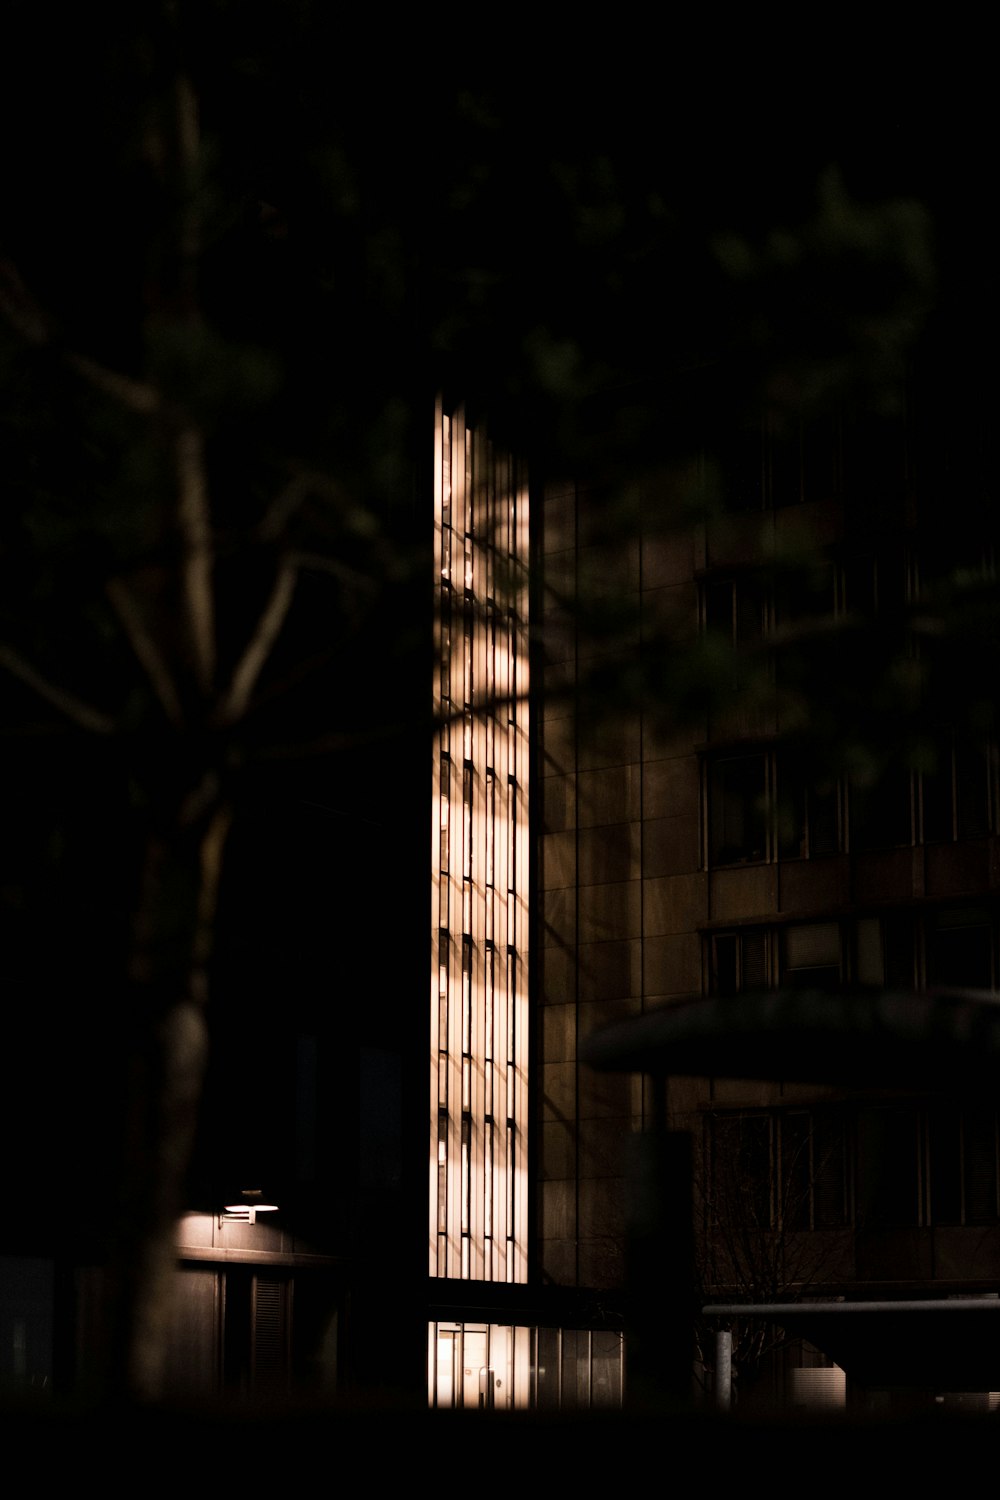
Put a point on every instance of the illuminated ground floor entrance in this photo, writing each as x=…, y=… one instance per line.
x=482, y=1365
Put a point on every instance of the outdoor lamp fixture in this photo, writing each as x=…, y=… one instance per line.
x=246, y=1210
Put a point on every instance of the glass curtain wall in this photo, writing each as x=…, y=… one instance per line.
x=479, y=987
x=482, y=1365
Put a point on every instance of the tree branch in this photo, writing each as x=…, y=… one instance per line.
x=188, y=141
x=20, y=308
x=281, y=509
x=197, y=563
x=291, y=496
x=146, y=650
x=260, y=646
x=28, y=320
x=136, y=395
x=82, y=713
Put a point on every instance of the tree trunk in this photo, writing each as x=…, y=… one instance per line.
x=168, y=993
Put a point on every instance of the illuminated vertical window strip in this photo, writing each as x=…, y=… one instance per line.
x=478, y=1188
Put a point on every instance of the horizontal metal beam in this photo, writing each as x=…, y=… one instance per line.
x=826, y=1309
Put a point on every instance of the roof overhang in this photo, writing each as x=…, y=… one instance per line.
x=939, y=1344
x=870, y=1038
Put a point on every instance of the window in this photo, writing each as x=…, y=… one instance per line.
x=890, y=1167
x=811, y=956
x=813, y=1169
x=955, y=792
x=738, y=809
x=964, y=1165
x=806, y=594
x=874, y=951
x=956, y=551
x=741, y=471
x=898, y=951
x=876, y=583
x=808, y=807
x=735, y=617
x=741, y=1165
x=959, y=948
x=764, y=804
x=485, y=1366
x=735, y=610
x=881, y=1166
x=788, y=461
x=938, y=1164
x=777, y=1170
x=874, y=456
x=804, y=459
x=881, y=815
x=738, y=961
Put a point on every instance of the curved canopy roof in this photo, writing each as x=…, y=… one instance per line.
x=881, y=1038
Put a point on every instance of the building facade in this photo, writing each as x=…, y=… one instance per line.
x=820, y=816
x=747, y=775
x=496, y=1338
